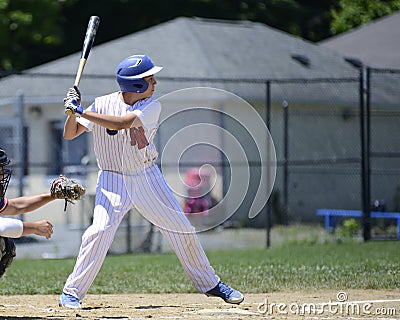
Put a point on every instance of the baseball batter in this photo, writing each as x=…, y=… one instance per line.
x=124, y=124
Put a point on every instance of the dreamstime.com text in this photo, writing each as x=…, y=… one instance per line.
x=342, y=307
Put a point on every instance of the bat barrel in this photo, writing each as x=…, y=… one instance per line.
x=90, y=35
x=94, y=23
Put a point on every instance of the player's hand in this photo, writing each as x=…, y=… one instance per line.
x=43, y=228
x=72, y=107
x=73, y=93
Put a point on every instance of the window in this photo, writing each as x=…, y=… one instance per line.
x=66, y=155
x=10, y=143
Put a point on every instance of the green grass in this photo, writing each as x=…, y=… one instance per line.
x=294, y=266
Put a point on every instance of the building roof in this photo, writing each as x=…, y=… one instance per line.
x=375, y=44
x=189, y=47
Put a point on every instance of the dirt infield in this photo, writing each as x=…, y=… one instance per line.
x=355, y=304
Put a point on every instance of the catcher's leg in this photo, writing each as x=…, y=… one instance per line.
x=110, y=208
x=157, y=204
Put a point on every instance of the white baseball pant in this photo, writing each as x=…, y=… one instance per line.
x=116, y=194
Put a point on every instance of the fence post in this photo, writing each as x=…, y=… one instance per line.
x=20, y=148
x=364, y=136
x=128, y=232
x=285, y=106
x=268, y=123
x=367, y=232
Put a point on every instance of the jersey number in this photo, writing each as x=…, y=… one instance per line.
x=138, y=136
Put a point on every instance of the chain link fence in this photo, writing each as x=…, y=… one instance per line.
x=318, y=147
x=319, y=128
x=383, y=145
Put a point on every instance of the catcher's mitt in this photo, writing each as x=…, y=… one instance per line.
x=7, y=252
x=66, y=188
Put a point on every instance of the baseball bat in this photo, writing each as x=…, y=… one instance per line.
x=87, y=45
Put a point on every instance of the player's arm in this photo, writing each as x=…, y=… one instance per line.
x=41, y=228
x=147, y=117
x=72, y=105
x=72, y=128
x=26, y=204
x=15, y=228
x=109, y=121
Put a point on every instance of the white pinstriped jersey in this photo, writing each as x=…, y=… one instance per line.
x=127, y=150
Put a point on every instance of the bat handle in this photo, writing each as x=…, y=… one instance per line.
x=76, y=83
x=82, y=63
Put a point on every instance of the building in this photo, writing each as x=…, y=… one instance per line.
x=374, y=44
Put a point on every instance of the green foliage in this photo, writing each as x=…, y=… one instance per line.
x=350, y=228
x=346, y=265
x=27, y=28
x=36, y=31
x=353, y=13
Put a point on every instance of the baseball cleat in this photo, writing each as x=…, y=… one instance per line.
x=68, y=301
x=226, y=293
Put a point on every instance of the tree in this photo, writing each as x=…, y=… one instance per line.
x=28, y=28
x=353, y=13
x=36, y=31
x=308, y=19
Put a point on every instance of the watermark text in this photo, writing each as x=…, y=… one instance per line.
x=342, y=306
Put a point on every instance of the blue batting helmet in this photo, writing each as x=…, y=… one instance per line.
x=131, y=71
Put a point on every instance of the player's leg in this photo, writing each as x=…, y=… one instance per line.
x=112, y=202
x=157, y=203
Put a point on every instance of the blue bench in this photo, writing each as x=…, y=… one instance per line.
x=331, y=214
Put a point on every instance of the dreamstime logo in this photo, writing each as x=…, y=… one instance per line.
x=342, y=307
x=341, y=296
x=215, y=146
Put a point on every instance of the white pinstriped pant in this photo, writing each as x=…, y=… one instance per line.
x=116, y=194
